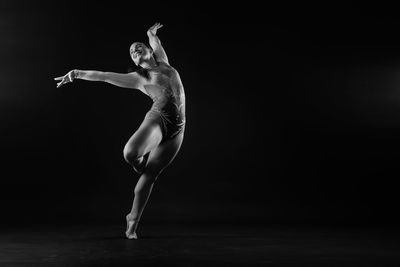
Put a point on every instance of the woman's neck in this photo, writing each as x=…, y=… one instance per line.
x=149, y=64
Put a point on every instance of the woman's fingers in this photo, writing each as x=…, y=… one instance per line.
x=70, y=76
x=156, y=26
x=60, y=83
x=63, y=79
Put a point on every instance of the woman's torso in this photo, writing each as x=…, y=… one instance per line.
x=165, y=88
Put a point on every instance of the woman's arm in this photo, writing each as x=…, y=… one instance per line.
x=126, y=80
x=155, y=43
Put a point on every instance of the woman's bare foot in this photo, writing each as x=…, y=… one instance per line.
x=140, y=164
x=131, y=226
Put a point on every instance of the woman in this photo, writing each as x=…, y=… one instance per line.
x=158, y=139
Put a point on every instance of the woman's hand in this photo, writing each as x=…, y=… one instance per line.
x=67, y=78
x=153, y=29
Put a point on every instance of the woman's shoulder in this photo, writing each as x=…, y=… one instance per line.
x=167, y=68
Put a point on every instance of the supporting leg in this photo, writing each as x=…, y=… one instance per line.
x=143, y=190
x=158, y=160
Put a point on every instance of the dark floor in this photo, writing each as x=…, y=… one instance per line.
x=200, y=245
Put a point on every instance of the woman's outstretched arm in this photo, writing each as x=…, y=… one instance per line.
x=126, y=80
x=155, y=43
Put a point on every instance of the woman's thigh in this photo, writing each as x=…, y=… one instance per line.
x=163, y=155
x=144, y=140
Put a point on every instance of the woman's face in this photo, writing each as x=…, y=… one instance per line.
x=140, y=52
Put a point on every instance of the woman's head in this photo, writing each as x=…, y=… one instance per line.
x=140, y=52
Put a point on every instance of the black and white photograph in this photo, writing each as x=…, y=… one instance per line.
x=162, y=133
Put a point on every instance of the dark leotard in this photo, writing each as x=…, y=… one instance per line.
x=168, y=108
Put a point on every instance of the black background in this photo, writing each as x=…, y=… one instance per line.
x=293, y=112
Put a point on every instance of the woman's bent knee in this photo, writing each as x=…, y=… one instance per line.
x=131, y=156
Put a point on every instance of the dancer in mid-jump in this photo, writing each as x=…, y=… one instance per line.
x=158, y=139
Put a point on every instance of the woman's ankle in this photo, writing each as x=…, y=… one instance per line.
x=132, y=217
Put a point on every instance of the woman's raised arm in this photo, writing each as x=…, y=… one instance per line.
x=155, y=43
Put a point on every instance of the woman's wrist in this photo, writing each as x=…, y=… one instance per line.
x=76, y=74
